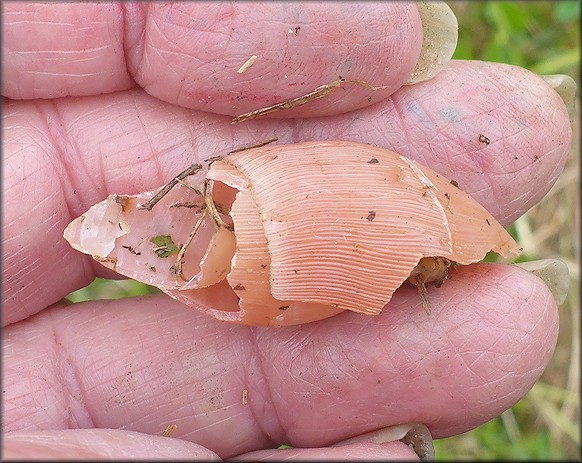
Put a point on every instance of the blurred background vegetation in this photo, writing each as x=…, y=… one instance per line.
x=543, y=37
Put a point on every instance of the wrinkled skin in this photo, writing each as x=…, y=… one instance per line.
x=119, y=98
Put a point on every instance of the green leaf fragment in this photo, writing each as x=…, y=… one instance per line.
x=567, y=11
x=165, y=247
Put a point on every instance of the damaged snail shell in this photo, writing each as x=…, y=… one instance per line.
x=292, y=233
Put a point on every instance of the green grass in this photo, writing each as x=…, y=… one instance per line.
x=545, y=425
x=540, y=36
x=493, y=441
x=101, y=288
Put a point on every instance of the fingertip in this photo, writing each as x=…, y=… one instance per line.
x=499, y=324
x=493, y=304
x=485, y=124
x=240, y=58
x=492, y=332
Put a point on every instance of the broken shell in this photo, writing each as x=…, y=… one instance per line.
x=319, y=228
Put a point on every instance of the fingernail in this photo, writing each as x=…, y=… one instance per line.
x=554, y=273
x=440, y=31
x=415, y=435
x=566, y=88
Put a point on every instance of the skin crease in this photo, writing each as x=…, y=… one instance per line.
x=141, y=364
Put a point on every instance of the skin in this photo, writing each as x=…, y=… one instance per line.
x=109, y=98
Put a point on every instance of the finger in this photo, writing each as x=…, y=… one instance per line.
x=298, y=48
x=62, y=157
x=116, y=444
x=410, y=441
x=97, y=444
x=142, y=364
x=390, y=451
x=192, y=54
x=60, y=49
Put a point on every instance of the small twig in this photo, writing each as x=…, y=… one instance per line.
x=178, y=265
x=193, y=169
x=198, y=206
x=190, y=187
x=421, y=286
x=171, y=184
x=319, y=92
x=254, y=145
x=243, y=148
x=190, y=205
x=214, y=214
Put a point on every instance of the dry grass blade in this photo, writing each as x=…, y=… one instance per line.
x=319, y=92
x=169, y=430
x=180, y=256
x=171, y=184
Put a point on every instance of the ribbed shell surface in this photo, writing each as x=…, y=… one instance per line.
x=344, y=224
x=251, y=264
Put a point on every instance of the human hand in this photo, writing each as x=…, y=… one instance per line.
x=141, y=364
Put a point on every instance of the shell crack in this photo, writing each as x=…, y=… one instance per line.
x=431, y=188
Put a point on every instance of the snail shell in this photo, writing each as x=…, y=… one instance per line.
x=318, y=228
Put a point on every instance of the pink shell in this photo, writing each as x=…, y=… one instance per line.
x=320, y=227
